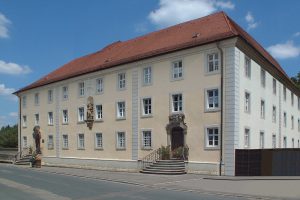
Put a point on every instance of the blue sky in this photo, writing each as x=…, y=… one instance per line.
x=37, y=37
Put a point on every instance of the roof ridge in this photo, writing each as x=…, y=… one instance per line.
x=228, y=22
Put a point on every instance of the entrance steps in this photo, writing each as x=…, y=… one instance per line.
x=167, y=167
x=24, y=160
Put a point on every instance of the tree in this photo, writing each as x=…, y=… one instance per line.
x=9, y=136
x=296, y=80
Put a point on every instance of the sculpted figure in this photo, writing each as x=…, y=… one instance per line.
x=37, y=138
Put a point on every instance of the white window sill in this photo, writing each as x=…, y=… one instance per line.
x=212, y=109
x=65, y=123
x=147, y=148
x=80, y=148
x=98, y=120
x=121, y=148
x=120, y=118
x=212, y=148
x=65, y=148
x=147, y=116
x=98, y=148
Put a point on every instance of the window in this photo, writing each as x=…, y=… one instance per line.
x=274, y=141
x=261, y=140
x=284, y=142
x=147, y=76
x=25, y=142
x=24, y=121
x=262, y=109
x=147, y=106
x=298, y=103
x=81, y=89
x=50, y=118
x=212, y=99
x=147, y=140
x=37, y=119
x=284, y=93
x=212, y=137
x=298, y=125
x=247, y=67
x=121, y=142
x=292, y=121
x=247, y=102
x=98, y=112
x=36, y=99
x=121, y=110
x=247, y=138
x=298, y=144
x=263, y=78
x=50, y=96
x=121, y=81
x=293, y=143
x=177, y=70
x=98, y=141
x=50, y=142
x=274, y=86
x=65, y=142
x=65, y=93
x=81, y=116
x=213, y=62
x=99, y=85
x=24, y=101
x=292, y=98
x=284, y=119
x=176, y=102
x=81, y=141
x=65, y=117
x=274, y=114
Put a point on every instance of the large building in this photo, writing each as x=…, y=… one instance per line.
x=113, y=107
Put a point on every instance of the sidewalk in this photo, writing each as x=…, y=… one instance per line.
x=250, y=187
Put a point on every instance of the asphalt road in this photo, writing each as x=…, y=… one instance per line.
x=24, y=183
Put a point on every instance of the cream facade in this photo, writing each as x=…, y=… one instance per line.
x=133, y=102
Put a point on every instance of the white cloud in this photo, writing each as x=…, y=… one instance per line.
x=285, y=50
x=4, y=91
x=297, y=34
x=4, y=22
x=13, y=114
x=252, y=24
x=13, y=68
x=172, y=12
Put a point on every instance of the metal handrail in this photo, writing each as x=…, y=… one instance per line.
x=21, y=154
x=151, y=158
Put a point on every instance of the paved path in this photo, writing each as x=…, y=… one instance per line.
x=64, y=183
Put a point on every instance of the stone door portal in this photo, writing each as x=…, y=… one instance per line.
x=177, y=138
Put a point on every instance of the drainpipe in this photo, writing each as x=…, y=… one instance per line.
x=19, y=125
x=222, y=106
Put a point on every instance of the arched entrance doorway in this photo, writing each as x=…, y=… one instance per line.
x=177, y=138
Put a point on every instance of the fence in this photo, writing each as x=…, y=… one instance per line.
x=267, y=162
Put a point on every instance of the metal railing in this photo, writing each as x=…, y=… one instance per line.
x=21, y=154
x=151, y=158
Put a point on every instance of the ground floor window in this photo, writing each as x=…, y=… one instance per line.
x=147, y=139
x=121, y=140
x=261, y=140
x=212, y=137
x=98, y=141
x=247, y=138
x=50, y=142
x=81, y=141
x=65, y=142
x=284, y=142
x=274, y=141
x=25, y=142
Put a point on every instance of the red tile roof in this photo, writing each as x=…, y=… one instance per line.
x=211, y=28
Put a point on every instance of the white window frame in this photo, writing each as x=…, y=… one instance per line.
x=65, y=116
x=274, y=115
x=81, y=89
x=99, y=86
x=80, y=118
x=262, y=109
x=292, y=98
x=147, y=76
x=120, y=143
x=50, y=96
x=50, y=118
x=50, y=142
x=298, y=103
x=98, y=112
x=65, y=92
x=298, y=124
x=247, y=133
x=24, y=120
x=274, y=141
x=147, y=110
x=284, y=119
x=261, y=139
x=293, y=143
x=100, y=144
x=214, y=61
x=284, y=93
x=36, y=119
x=179, y=107
x=247, y=102
x=284, y=142
x=121, y=83
x=24, y=101
x=214, y=128
x=121, y=110
x=247, y=67
x=24, y=142
x=147, y=142
x=292, y=122
x=37, y=99
x=274, y=86
x=65, y=141
x=207, y=99
x=263, y=78
x=177, y=70
x=80, y=141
